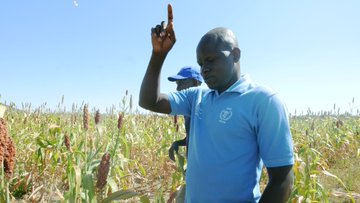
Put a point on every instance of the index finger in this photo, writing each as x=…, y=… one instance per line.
x=170, y=14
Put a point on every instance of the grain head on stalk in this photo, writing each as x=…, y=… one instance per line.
x=176, y=124
x=9, y=161
x=120, y=121
x=67, y=142
x=97, y=117
x=86, y=117
x=7, y=150
x=3, y=139
x=103, y=171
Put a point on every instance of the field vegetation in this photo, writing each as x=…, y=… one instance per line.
x=84, y=155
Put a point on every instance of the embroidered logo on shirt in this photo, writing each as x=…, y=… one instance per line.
x=225, y=115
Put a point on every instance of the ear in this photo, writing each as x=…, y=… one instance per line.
x=236, y=53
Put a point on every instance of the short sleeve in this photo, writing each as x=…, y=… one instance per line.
x=181, y=101
x=273, y=132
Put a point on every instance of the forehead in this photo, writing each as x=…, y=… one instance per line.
x=207, y=46
x=208, y=41
x=212, y=44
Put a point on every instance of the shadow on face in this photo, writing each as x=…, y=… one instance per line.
x=186, y=83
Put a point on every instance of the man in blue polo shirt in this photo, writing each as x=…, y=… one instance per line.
x=237, y=126
x=187, y=77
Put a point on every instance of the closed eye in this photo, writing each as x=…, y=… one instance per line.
x=209, y=60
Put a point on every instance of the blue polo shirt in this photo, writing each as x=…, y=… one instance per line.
x=231, y=136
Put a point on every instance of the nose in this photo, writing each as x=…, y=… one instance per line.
x=204, y=69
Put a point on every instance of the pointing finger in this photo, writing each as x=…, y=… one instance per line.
x=170, y=26
x=170, y=14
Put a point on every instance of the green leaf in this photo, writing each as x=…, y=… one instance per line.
x=54, y=129
x=327, y=173
x=141, y=168
x=144, y=199
x=120, y=195
x=88, y=184
x=41, y=142
x=112, y=184
x=181, y=163
x=93, y=165
x=51, y=142
x=75, y=182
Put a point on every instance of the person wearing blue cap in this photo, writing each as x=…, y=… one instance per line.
x=187, y=77
x=237, y=126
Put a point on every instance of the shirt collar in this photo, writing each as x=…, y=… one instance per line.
x=240, y=86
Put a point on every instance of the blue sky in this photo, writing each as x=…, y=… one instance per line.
x=308, y=51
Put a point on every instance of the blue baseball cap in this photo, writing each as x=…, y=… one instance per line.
x=187, y=72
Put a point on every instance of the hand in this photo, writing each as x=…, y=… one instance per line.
x=163, y=36
x=174, y=148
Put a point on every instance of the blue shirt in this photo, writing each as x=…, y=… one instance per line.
x=231, y=136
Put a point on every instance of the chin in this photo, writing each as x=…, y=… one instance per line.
x=210, y=86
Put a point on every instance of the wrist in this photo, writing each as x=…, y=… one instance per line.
x=159, y=54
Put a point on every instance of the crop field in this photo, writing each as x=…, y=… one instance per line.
x=121, y=155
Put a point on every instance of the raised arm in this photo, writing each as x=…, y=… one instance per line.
x=162, y=39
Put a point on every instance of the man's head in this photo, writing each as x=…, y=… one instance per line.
x=218, y=55
x=187, y=77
